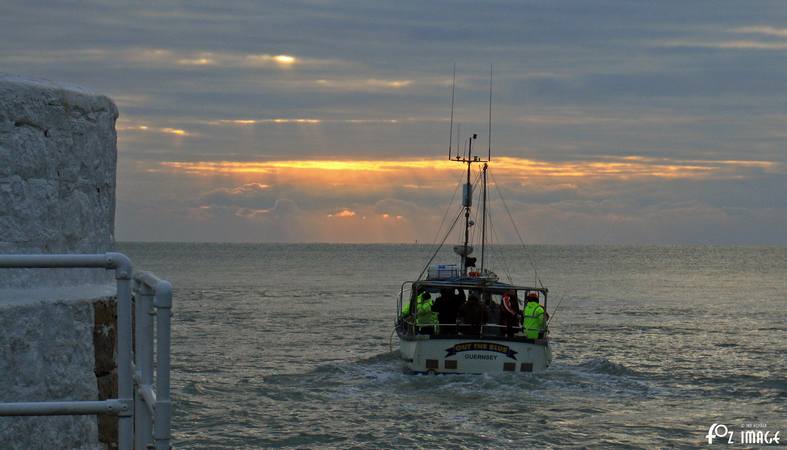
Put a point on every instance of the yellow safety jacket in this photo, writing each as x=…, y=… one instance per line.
x=534, y=320
x=406, y=309
x=423, y=311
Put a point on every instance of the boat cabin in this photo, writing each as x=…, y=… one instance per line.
x=465, y=307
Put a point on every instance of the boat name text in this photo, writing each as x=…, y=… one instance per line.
x=481, y=346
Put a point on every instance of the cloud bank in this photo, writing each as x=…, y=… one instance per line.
x=616, y=122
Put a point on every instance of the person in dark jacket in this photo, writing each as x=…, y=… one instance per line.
x=472, y=315
x=447, y=310
x=510, y=314
x=492, y=312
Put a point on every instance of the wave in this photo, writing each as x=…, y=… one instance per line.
x=605, y=366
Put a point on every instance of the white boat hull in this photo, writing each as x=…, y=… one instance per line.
x=423, y=355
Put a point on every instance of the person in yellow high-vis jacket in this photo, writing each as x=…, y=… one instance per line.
x=425, y=317
x=534, y=317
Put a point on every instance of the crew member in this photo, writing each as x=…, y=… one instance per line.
x=510, y=314
x=492, y=316
x=472, y=313
x=534, y=317
x=447, y=310
x=424, y=315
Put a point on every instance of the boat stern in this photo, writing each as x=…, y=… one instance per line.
x=426, y=355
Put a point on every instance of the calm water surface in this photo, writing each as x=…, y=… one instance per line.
x=288, y=346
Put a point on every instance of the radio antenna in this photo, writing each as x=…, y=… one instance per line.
x=451, y=132
x=489, y=155
x=458, y=129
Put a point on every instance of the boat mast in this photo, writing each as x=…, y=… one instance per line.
x=467, y=202
x=483, y=223
x=467, y=192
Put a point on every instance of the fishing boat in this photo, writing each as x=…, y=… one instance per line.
x=460, y=317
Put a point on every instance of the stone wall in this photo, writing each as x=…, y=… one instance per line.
x=48, y=353
x=58, y=156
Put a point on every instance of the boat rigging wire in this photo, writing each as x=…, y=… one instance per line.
x=496, y=238
x=441, y=244
x=537, y=280
x=448, y=208
x=554, y=311
x=477, y=211
x=448, y=233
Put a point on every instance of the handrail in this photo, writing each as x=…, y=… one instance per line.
x=154, y=297
x=470, y=285
x=411, y=324
x=62, y=408
x=134, y=423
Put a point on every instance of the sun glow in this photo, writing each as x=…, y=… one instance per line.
x=278, y=121
x=175, y=131
x=363, y=84
x=345, y=213
x=393, y=179
x=239, y=167
x=150, y=129
x=284, y=59
x=196, y=62
x=625, y=168
x=383, y=200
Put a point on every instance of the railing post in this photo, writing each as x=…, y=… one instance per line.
x=143, y=361
x=163, y=302
x=123, y=270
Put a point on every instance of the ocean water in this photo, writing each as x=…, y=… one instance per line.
x=280, y=345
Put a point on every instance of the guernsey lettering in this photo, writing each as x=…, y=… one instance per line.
x=476, y=356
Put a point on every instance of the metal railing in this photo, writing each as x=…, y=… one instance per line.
x=144, y=413
x=152, y=407
x=462, y=327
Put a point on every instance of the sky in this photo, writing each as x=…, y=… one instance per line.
x=613, y=122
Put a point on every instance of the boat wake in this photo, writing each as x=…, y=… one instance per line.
x=383, y=374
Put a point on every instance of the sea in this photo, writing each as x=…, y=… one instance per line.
x=292, y=346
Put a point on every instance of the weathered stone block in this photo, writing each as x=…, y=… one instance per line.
x=46, y=354
x=58, y=155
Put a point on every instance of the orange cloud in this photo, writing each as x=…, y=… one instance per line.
x=152, y=129
x=364, y=84
x=319, y=179
x=414, y=173
x=300, y=121
x=175, y=131
x=343, y=213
